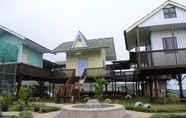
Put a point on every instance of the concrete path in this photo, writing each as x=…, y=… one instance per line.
x=134, y=114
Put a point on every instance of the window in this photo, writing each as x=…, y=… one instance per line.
x=169, y=43
x=169, y=12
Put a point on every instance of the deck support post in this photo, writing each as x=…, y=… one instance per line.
x=151, y=91
x=138, y=46
x=53, y=89
x=19, y=83
x=179, y=78
x=41, y=84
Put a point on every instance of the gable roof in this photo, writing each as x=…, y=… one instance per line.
x=27, y=42
x=107, y=43
x=81, y=38
x=168, y=2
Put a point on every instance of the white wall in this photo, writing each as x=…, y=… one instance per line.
x=162, y=58
x=156, y=38
x=158, y=19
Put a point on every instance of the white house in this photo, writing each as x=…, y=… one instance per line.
x=161, y=31
x=159, y=40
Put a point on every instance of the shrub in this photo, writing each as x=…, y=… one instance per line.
x=108, y=101
x=25, y=114
x=25, y=94
x=20, y=105
x=6, y=101
x=138, y=104
x=45, y=109
x=147, y=107
x=168, y=116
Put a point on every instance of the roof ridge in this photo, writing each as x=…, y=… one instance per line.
x=101, y=38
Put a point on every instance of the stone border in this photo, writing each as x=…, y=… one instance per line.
x=112, y=108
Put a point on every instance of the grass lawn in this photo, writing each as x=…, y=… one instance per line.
x=30, y=107
x=168, y=116
x=167, y=108
x=8, y=117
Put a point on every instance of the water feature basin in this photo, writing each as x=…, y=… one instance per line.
x=93, y=109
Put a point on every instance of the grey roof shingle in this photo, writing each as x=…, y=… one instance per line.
x=107, y=43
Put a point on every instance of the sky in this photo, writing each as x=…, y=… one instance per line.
x=52, y=22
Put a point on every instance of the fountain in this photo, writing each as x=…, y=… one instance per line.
x=93, y=109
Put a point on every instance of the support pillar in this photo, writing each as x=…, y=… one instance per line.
x=179, y=78
x=19, y=83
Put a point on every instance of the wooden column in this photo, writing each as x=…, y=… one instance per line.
x=19, y=84
x=179, y=78
x=138, y=46
x=53, y=89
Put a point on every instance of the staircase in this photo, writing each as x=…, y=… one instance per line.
x=67, y=89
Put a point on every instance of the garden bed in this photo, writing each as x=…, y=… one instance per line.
x=156, y=108
x=168, y=116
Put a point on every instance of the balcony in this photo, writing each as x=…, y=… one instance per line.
x=163, y=58
x=97, y=72
x=36, y=72
x=110, y=74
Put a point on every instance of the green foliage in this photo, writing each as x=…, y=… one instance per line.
x=25, y=94
x=172, y=97
x=44, y=109
x=168, y=116
x=156, y=108
x=6, y=100
x=99, y=86
x=25, y=114
x=20, y=105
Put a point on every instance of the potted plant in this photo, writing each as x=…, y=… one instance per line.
x=5, y=102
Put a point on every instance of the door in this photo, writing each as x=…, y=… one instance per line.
x=82, y=65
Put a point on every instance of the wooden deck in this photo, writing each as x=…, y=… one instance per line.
x=28, y=72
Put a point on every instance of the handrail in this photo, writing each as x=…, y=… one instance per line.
x=162, y=50
x=168, y=57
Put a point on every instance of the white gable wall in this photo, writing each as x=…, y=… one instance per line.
x=158, y=19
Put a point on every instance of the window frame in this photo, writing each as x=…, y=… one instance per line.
x=169, y=12
x=170, y=46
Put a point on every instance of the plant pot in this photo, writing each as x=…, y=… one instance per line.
x=4, y=108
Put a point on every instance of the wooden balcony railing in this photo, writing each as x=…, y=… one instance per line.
x=64, y=73
x=32, y=71
x=170, y=57
x=28, y=70
x=97, y=72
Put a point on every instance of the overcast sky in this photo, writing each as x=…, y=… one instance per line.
x=51, y=22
